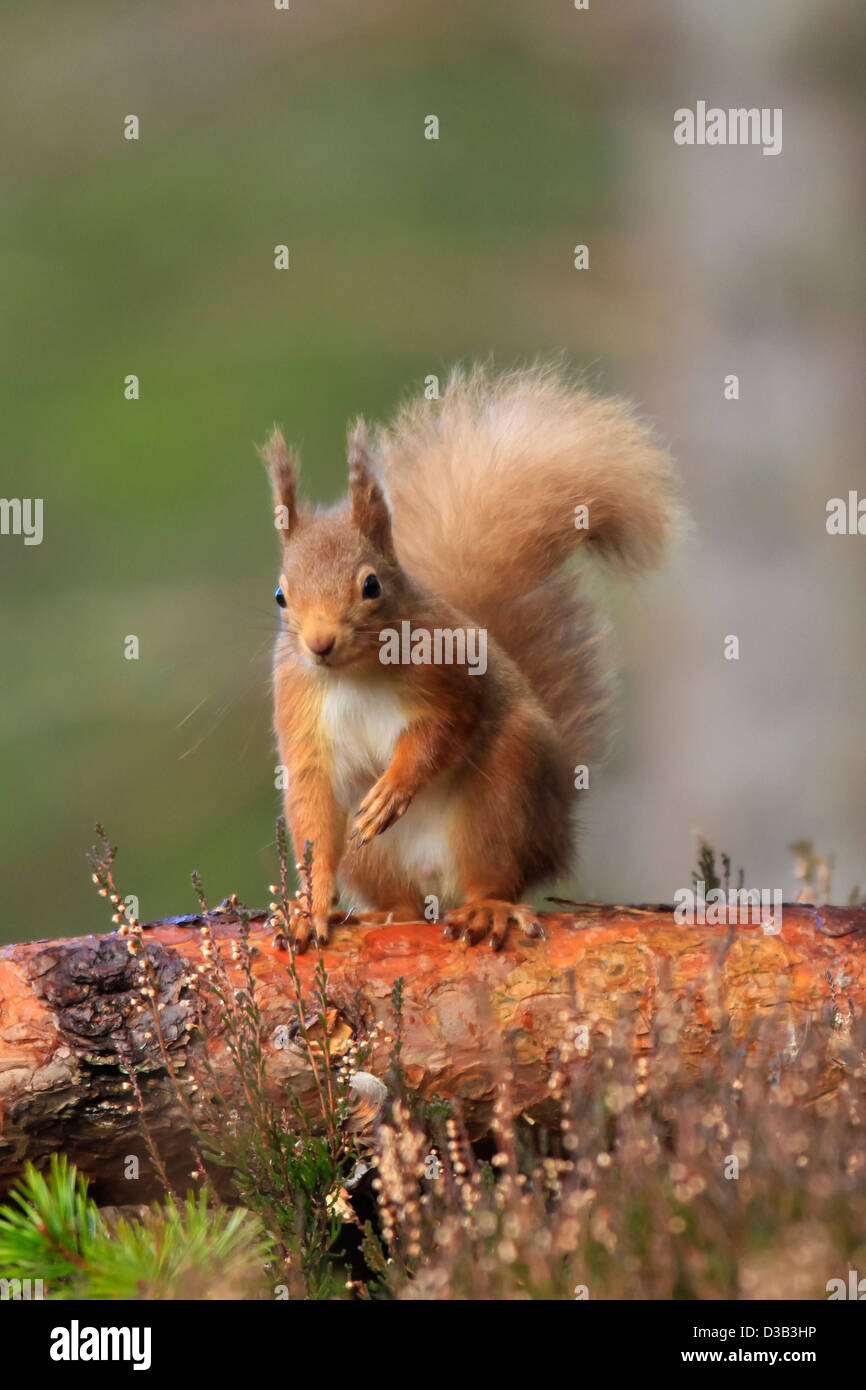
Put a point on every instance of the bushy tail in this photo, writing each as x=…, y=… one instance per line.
x=485, y=487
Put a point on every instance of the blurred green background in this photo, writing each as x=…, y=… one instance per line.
x=306, y=127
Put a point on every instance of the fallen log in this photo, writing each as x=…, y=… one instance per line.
x=73, y=1020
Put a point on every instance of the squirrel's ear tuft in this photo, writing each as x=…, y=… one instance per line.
x=282, y=465
x=369, y=509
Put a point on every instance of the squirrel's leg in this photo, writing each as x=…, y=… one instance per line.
x=492, y=880
x=494, y=853
x=512, y=830
x=371, y=874
x=313, y=814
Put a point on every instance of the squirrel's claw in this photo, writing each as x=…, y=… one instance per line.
x=382, y=805
x=303, y=927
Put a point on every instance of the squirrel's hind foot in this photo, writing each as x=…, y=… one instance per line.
x=481, y=917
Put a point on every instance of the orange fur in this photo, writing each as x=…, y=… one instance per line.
x=483, y=486
x=463, y=514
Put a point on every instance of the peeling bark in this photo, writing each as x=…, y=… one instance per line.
x=70, y=1014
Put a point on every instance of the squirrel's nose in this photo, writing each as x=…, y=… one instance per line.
x=321, y=645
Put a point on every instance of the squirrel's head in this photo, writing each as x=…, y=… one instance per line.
x=340, y=583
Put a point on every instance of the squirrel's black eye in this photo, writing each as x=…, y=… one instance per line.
x=280, y=596
x=372, y=588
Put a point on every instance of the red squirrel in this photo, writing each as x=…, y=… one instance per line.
x=413, y=776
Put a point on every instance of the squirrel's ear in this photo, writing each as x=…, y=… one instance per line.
x=282, y=465
x=369, y=509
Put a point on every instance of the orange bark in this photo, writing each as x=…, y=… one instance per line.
x=69, y=1012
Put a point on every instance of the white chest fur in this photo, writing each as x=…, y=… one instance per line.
x=363, y=721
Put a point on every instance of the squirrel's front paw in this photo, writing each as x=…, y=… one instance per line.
x=382, y=805
x=303, y=927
